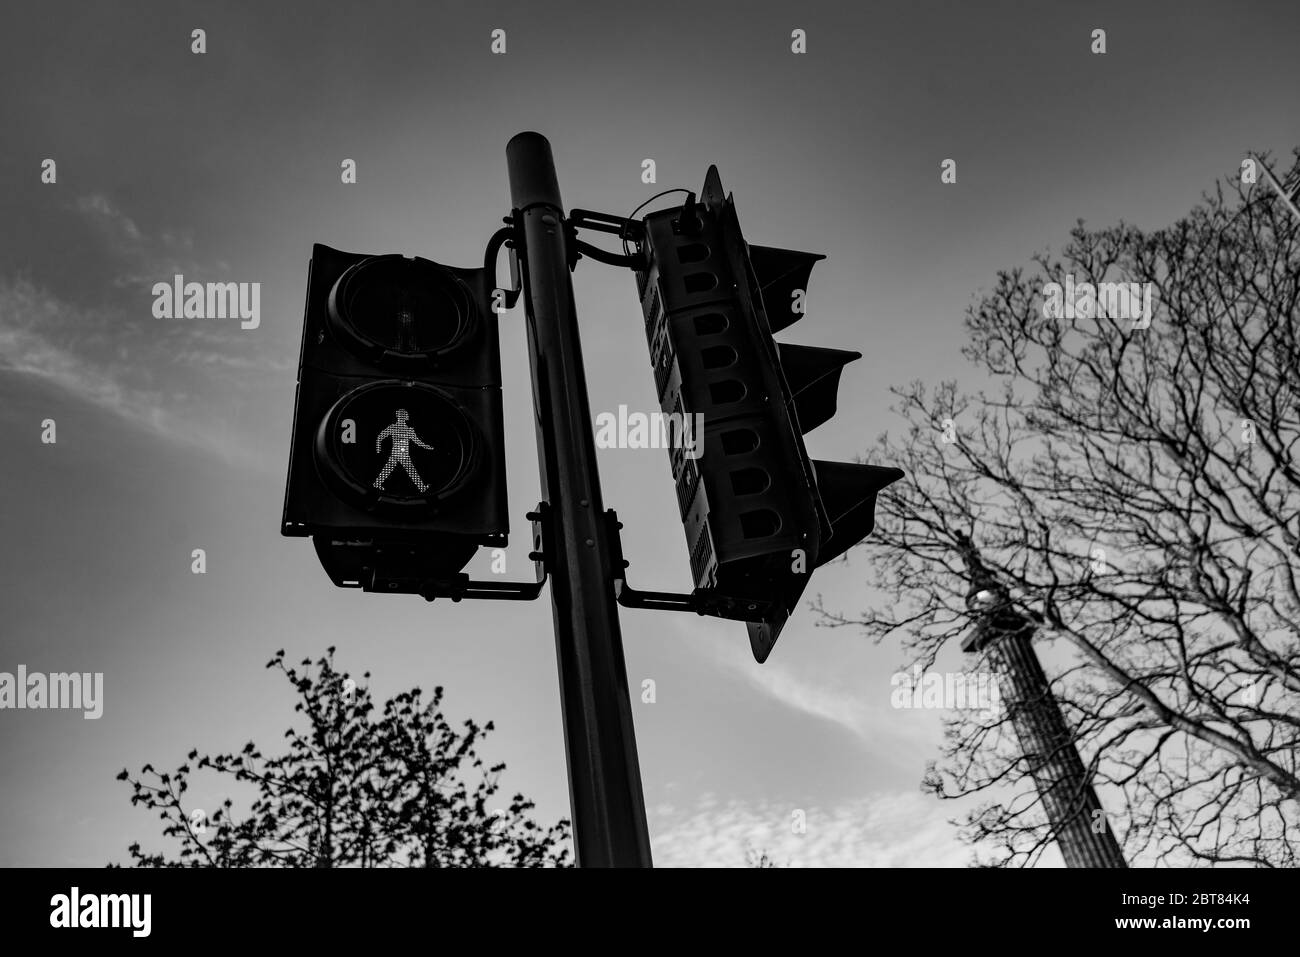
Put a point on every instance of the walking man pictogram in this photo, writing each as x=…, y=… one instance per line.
x=402, y=435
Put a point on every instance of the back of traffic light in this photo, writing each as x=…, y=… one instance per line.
x=397, y=462
x=759, y=514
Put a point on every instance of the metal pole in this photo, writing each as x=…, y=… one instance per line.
x=609, y=825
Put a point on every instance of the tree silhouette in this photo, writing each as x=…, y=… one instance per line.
x=355, y=788
x=1136, y=490
x=758, y=857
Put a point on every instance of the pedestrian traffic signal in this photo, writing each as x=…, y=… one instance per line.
x=397, y=461
x=759, y=514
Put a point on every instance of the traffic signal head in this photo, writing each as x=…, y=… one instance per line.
x=759, y=514
x=397, y=462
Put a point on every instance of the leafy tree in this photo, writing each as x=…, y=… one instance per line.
x=1136, y=490
x=758, y=857
x=355, y=787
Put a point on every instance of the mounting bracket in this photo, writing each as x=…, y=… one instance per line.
x=701, y=601
x=628, y=230
x=460, y=586
x=504, y=236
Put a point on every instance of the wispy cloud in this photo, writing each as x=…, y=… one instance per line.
x=254, y=363
x=879, y=830
x=109, y=383
x=114, y=354
x=850, y=708
x=140, y=256
x=852, y=692
x=99, y=211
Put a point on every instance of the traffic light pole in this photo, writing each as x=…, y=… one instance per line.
x=605, y=794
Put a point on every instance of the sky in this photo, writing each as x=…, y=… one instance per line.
x=173, y=434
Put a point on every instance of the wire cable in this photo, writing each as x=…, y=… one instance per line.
x=647, y=203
